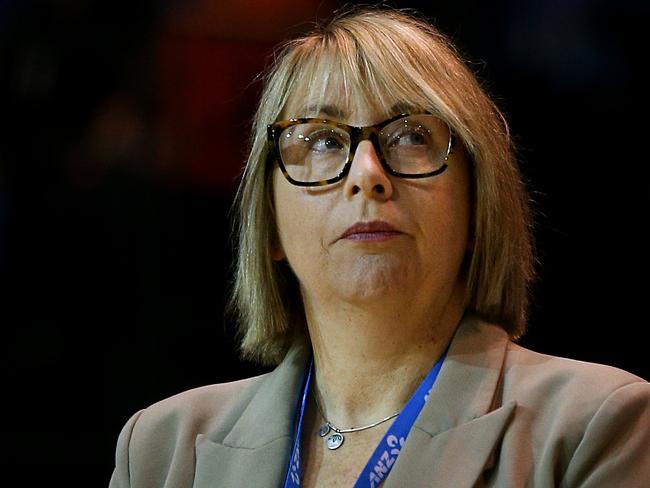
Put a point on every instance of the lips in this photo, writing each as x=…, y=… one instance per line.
x=368, y=229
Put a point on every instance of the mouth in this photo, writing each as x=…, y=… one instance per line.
x=376, y=230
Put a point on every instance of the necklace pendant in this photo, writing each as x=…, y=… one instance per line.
x=324, y=429
x=335, y=441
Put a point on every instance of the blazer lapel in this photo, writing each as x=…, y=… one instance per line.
x=453, y=439
x=456, y=457
x=254, y=445
x=451, y=442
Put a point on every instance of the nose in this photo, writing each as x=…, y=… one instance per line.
x=367, y=175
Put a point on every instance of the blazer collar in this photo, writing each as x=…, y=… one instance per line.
x=253, y=445
x=463, y=418
x=460, y=419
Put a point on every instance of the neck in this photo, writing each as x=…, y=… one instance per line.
x=370, y=359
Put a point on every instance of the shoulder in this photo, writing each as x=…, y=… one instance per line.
x=541, y=381
x=157, y=442
x=546, y=378
x=197, y=410
x=575, y=415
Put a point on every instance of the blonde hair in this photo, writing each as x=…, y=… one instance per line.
x=388, y=56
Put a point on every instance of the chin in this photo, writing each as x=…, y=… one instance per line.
x=371, y=280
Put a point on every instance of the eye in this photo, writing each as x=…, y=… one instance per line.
x=325, y=140
x=409, y=136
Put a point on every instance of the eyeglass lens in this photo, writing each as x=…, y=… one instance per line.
x=412, y=145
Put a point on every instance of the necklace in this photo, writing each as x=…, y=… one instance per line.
x=335, y=440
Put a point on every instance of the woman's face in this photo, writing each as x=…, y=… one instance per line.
x=430, y=214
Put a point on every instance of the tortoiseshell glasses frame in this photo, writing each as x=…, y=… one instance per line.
x=356, y=135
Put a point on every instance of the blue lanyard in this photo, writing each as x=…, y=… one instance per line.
x=382, y=460
x=293, y=474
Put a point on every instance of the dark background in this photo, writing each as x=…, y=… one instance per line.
x=124, y=128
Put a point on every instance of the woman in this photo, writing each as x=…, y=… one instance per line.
x=384, y=259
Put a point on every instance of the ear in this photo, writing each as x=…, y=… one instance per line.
x=470, y=244
x=277, y=254
x=277, y=251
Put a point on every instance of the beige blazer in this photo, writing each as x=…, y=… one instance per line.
x=499, y=415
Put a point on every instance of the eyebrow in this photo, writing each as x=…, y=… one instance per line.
x=328, y=110
x=336, y=112
x=402, y=107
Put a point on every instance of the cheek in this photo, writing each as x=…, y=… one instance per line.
x=289, y=224
x=450, y=208
x=299, y=222
x=464, y=197
x=459, y=210
x=284, y=218
x=446, y=226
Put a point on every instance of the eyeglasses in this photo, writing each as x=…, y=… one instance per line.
x=319, y=152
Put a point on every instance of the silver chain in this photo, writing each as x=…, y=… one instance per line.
x=351, y=429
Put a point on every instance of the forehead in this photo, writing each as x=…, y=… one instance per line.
x=343, y=96
x=361, y=114
x=359, y=110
